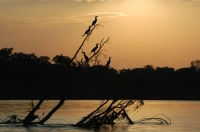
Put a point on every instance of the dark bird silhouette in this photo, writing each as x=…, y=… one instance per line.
x=95, y=21
x=85, y=56
x=87, y=31
x=94, y=49
x=108, y=62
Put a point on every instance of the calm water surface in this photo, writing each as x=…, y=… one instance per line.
x=185, y=116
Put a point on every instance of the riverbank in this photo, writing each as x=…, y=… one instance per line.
x=26, y=95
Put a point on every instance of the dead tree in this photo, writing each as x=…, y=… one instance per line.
x=73, y=84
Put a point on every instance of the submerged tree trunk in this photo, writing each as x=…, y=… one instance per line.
x=52, y=111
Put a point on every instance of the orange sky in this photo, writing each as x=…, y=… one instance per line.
x=155, y=32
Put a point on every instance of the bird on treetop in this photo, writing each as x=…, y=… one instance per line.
x=87, y=31
x=95, y=21
x=108, y=62
x=94, y=49
x=85, y=56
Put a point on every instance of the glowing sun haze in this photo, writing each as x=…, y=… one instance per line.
x=155, y=32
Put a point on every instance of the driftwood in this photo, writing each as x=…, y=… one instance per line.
x=110, y=114
x=116, y=113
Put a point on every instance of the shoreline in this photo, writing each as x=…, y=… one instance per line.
x=25, y=95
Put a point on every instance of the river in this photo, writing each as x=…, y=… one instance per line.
x=184, y=115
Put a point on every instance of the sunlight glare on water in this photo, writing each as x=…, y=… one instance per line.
x=184, y=116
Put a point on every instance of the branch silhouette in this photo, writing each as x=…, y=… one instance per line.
x=28, y=119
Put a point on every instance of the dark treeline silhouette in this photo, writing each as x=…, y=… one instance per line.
x=27, y=76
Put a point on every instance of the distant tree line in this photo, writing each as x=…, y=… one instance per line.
x=21, y=70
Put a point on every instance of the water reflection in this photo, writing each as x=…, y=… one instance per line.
x=183, y=114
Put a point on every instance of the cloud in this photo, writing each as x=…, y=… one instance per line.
x=90, y=17
x=79, y=19
x=101, y=15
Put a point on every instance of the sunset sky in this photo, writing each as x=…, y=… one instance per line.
x=142, y=32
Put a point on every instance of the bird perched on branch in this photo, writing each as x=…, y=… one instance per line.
x=85, y=56
x=94, y=49
x=87, y=31
x=95, y=21
x=108, y=62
